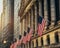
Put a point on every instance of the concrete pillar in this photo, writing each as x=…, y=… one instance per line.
x=52, y=38
x=45, y=14
x=59, y=35
x=26, y=22
x=34, y=43
x=23, y=25
x=32, y=19
x=35, y=18
x=40, y=8
x=29, y=19
x=52, y=13
x=45, y=40
x=39, y=41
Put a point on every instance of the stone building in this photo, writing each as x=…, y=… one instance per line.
x=49, y=10
x=16, y=19
x=7, y=21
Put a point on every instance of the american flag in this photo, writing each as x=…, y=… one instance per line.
x=41, y=25
x=29, y=35
x=19, y=42
x=15, y=45
x=11, y=46
x=24, y=38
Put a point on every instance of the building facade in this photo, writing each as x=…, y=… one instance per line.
x=50, y=11
x=7, y=21
x=16, y=19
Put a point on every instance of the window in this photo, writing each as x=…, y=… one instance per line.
x=56, y=37
x=36, y=43
x=42, y=41
x=48, y=39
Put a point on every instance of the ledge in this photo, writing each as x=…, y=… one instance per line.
x=28, y=8
x=47, y=31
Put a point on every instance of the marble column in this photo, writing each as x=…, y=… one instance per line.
x=35, y=18
x=29, y=20
x=59, y=35
x=45, y=14
x=23, y=25
x=40, y=8
x=53, y=16
x=20, y=28
x=26, y=22
x=32, y=20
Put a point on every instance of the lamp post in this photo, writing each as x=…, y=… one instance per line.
x=4, y=41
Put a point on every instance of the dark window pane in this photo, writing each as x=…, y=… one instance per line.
x=36, y=43
x=42, y=41
x=48, y=39
x=56, y=37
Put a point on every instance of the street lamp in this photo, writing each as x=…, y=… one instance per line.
x=4, y=41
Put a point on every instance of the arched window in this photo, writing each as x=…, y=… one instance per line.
x=48, y=39
x=37, y=43
x=56, y=37
x=42, y=41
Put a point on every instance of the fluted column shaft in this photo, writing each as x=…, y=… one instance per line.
x=26, y=22
x=23, y=25
x=31, y=18
x=35, y=18
x=53, y=17
x=40, y=8
x=45, y=14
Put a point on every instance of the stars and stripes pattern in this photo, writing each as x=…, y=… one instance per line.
x=24, y=39
x=30, y=34
x=41, y=25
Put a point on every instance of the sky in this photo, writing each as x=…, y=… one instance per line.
x=1, y=6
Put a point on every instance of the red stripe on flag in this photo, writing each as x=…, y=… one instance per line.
x=30, y=34
x=25, y=39
x=41, y=27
